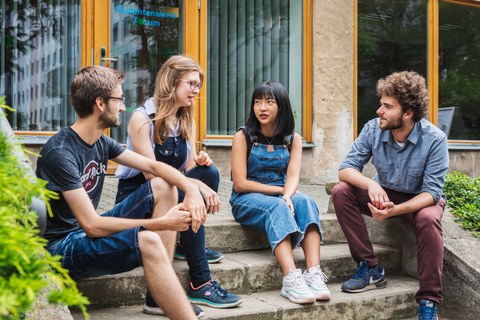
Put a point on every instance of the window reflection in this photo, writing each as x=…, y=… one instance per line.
x=34, y=80
x=459, y=71
x=392, y=36
x=143, y=35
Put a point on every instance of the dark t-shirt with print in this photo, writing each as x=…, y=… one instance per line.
x=67, y=162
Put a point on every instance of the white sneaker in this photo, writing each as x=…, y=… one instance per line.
x=315, y=279
x=296, y=289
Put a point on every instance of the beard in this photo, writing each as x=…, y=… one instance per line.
x=109, y=120
x=397, y=124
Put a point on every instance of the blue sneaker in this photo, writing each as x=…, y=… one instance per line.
x=427, y=310
x=211, y=294
x=212, y=255
x=365, y=278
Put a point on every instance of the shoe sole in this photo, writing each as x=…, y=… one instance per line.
x=215, y=260
x=323, y=297
x=210, y=261
x=215, y=305
x=153, y=311
x=381, y=284
x=295, y=300
x=159, y=312
x=179, y=257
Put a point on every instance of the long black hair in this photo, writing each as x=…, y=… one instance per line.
x=285, y=122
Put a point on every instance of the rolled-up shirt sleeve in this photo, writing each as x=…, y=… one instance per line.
x=436, y=169
x=361, y=151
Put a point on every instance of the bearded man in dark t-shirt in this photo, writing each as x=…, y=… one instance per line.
x=139, y=231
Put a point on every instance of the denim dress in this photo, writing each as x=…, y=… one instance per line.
x=270, y=213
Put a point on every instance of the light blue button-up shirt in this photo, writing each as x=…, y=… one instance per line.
x=420, y=165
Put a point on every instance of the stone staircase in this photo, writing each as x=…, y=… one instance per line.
x=250, y=269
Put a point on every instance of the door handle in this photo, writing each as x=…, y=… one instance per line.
x=103, y=58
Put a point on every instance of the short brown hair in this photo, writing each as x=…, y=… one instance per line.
x=409, y=88
x=90, y=83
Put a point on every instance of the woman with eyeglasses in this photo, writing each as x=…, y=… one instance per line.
x=164, y=129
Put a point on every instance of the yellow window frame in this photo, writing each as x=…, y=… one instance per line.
x=196, y=46
x=432, y=63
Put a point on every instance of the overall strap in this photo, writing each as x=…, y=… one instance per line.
x=288, y=140
x=250, y=139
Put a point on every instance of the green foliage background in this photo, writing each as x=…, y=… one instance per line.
x=463, y=195
x=26, y=267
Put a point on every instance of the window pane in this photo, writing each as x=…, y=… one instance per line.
x=143, y=35
x=38, y=90
x=251, y=41
x=392, y=36
x=459, y=71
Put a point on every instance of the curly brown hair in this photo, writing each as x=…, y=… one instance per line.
x=409, y=88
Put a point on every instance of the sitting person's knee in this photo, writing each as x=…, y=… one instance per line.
x=162, y=188
x=340, y=189
x=150, y=243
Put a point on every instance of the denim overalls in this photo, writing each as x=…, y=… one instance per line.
x=271, y=213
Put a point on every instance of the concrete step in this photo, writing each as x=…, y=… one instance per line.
x=226, y=235
x=394, y=302
x=242, y=272
x=223, y=233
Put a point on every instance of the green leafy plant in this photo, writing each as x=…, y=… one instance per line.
x=26, y=267
x=463, y=195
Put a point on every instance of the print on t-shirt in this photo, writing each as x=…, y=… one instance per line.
x=91, y=175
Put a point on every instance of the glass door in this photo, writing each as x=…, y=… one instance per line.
x=143, y=34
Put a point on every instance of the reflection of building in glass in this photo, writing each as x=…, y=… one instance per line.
x=141, y=39
x=43, y=55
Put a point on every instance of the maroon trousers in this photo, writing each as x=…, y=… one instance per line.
x=351, y=202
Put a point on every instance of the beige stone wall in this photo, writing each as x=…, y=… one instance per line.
x=333, y=74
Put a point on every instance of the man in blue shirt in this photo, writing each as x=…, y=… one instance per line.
x=411, y=159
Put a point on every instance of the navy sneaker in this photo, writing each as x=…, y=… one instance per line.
x=212, y=255
x=365, y=278
x=151, y=307
x=427, y=310
x=211, y=294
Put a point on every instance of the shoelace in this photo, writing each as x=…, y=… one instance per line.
x=216, y=287
x=299, y=282
x=319, y=272
x=360, y=271
x=430, y=313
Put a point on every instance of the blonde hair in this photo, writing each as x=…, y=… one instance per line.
x=168, y=77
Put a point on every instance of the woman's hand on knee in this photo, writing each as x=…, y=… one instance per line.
x=212, y=201
x=289, y=202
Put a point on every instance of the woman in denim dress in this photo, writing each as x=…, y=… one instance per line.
x=266, y=158
x=163, y=129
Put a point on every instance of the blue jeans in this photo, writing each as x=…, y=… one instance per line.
x=194, y=243
x=92, y=257
x=272, y=215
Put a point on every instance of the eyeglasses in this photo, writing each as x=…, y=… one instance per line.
x=122, y=99
x=193, y=85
